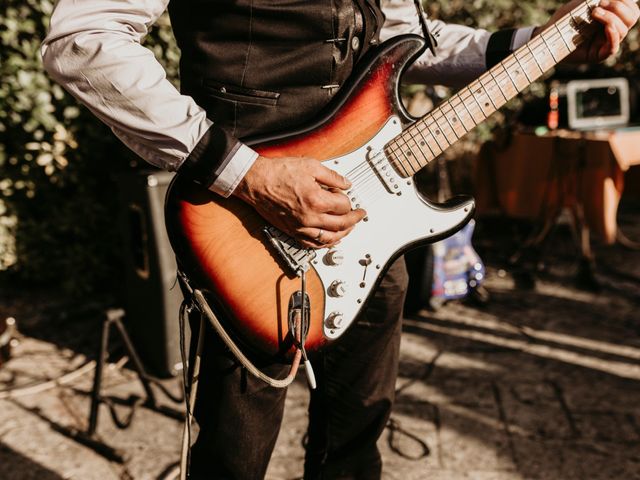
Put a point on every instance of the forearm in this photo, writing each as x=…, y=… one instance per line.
x=462, y=54
x=94, y=50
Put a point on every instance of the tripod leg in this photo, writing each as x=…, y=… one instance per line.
x=137, y=363
x=97, y=378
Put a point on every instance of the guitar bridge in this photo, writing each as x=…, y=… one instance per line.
x=296, y=257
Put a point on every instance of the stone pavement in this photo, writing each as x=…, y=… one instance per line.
x=539, y=384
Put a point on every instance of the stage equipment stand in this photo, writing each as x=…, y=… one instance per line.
x=90, y=437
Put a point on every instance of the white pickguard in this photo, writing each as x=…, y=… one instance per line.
x=394, y=220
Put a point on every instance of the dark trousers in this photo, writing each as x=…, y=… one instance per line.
x=240, y=416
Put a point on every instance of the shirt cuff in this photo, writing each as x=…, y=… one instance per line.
x=234, y=171
x=522, y=36
x=504, y=42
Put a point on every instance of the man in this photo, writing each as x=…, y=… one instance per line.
x=256, y=66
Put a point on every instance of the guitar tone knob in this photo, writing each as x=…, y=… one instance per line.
x=334, y=257
x=338, y=289
x=335, y=320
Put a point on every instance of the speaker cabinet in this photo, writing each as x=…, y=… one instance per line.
x=152, y=295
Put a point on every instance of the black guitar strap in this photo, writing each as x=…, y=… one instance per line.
x=432, y=43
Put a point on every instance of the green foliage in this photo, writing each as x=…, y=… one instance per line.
x=57, y=188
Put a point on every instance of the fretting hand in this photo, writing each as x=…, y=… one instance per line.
x=302, y=198
x=616, y=17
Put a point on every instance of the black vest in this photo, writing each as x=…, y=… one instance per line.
x=260, y=66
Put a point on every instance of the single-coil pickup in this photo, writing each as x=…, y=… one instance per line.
x=384, y=171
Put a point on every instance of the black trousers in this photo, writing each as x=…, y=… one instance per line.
x=239, y=416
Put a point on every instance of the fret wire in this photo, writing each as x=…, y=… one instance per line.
x=517, y=66
x=534, y=56
x=490, y=72
x=499, y=77
x=398, y=154
x=401, y=164
x=487, y=92
x=541, y=49
x=464, y=101
x=426, y=142
x=476, y=92
x=477, y=102
x=411, y=163
x=442, y=114
x=433, y=143
x=570, y=49
x=435, y=137
x=413, y=159
x=506, y=73
x=406, y=145
x=439, y=133
x=548, y=47
x=470, y=114
x=458, y=121
x=431, y=122
x=524, y=70
x=458, y=137
x=459, y=99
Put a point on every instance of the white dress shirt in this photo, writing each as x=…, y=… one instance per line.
x=94, y=50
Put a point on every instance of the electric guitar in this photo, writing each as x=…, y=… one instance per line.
x=252, y=270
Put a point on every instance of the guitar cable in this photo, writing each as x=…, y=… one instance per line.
x=198, y=300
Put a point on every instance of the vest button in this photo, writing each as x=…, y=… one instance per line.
x=355, y=44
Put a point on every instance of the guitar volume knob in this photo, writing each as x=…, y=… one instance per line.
x=338, y=289
x=334, y=258
x=335, y=320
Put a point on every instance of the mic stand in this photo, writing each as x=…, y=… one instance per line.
x=90, y=438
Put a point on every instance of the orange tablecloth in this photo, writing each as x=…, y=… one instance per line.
x=535, y=175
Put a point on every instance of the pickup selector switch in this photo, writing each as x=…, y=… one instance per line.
x=335, y=320
x=334, y=258
x=338, y=289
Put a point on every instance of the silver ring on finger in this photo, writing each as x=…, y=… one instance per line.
x=318, y=237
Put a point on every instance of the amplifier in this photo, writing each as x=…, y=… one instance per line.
x=151, y=295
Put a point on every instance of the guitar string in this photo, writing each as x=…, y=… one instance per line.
x=496, y=79
x=525, y=57
x=363, y=187
x=584, y=8
x=360, y=181
x=363, y=174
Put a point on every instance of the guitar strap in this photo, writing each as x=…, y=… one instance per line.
x=432, y=43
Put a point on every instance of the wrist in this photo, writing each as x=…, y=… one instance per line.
x=244, y=190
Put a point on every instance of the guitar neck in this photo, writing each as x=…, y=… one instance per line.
x=430, y=136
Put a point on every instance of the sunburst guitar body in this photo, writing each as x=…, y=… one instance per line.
x=250, y=269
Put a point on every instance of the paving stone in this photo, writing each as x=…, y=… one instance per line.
x=541, y=384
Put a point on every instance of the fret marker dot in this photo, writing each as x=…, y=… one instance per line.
x=486, y=104
x=453, y=119
x=437, y=132
x=408, y=153
x=422, y=144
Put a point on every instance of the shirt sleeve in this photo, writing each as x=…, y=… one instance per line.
x=94, y=50
x=462, y=54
